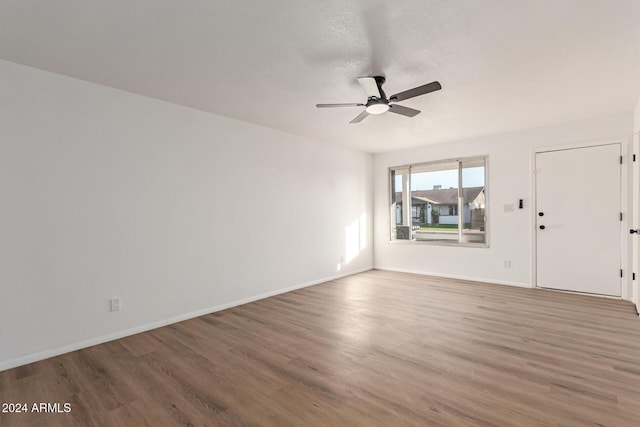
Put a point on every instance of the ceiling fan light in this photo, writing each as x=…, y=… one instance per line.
x=377, y=108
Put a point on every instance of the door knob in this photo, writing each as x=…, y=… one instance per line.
x=632, y=231
x=542, y=227
x=540, y=213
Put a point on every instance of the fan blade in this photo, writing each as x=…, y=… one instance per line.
x=416, y=91
x=360, y=117
x=338, y=105
x=405, y=111
x=370, y=86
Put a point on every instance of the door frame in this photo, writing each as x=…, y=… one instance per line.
x=635, y=221
x=625, y=250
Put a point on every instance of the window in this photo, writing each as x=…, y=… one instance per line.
x=442, y=201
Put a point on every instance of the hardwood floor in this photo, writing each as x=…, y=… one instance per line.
x=377, y=348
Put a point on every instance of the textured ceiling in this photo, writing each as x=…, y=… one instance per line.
x=503, y=64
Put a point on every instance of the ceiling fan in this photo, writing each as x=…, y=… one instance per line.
x=377, y=101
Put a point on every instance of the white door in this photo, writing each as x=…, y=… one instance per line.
x=578, y=227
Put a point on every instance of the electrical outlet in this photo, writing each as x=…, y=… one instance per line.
x=509, y=207
x=507, y=263
x=114, y=304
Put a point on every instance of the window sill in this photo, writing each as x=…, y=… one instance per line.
x=439, y=243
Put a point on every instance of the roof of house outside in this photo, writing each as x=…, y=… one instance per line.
x=445, y=196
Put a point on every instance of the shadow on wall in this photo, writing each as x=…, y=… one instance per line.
x=355, y=240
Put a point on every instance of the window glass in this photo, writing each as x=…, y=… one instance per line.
x=473, y=201
x=400, y=220
x=441, y=201
x=434, y=196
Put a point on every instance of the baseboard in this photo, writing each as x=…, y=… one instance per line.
x=455, y=276
x=30, y=358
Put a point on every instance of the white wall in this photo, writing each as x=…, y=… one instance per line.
x=510, y=179
x=636, y=118
x=105, y=193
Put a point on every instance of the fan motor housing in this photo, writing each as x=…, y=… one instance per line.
x=377, y=105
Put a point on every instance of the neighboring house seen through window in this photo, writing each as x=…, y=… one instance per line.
x=442, y=201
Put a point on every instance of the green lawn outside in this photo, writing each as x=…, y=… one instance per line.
x=441, y=226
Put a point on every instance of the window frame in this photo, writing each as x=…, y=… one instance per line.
x=412, y=240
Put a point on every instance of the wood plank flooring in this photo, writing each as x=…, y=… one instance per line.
x=377, y=348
